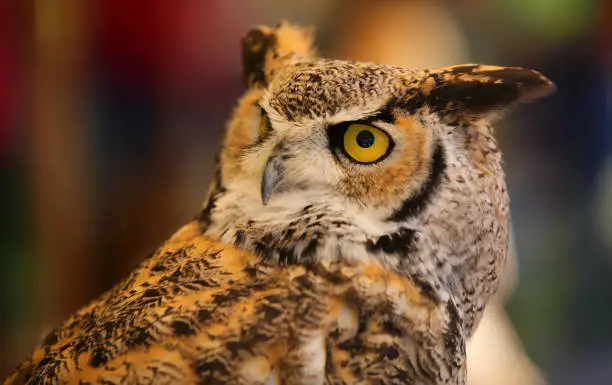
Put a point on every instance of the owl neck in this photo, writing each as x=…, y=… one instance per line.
x=301, y=232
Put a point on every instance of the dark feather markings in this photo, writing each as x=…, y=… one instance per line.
x=453, y=337
x=418, y=202
x=255, y=45
x=475, y=97
x=400, y=242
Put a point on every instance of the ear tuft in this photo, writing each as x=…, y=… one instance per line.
x=473, y=91
x=295, y=40
x=265, y=49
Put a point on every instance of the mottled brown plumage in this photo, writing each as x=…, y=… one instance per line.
x=307, y=265
x=201, y=311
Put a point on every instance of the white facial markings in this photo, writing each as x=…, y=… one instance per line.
x=313, y=177
x=343, y=227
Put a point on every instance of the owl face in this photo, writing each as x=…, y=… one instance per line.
x=335, y=160
x=338, y=140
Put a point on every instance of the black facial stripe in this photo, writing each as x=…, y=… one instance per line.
x=417, y=203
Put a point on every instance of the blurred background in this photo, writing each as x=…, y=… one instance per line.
x=111, y=112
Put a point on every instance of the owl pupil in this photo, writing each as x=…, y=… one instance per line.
x=365, y=139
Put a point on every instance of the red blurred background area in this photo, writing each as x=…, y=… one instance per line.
x=7, y=70
x=187, y=41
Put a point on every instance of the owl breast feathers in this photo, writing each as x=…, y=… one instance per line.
x=354, y=231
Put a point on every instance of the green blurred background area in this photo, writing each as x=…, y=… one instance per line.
x=111, y=113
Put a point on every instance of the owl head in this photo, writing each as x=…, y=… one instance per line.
x=330, y=160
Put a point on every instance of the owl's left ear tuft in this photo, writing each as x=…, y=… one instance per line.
x=265, y=50
x=472, y=91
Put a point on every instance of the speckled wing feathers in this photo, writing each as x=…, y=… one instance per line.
x=202, y=312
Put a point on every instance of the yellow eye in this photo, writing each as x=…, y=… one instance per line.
x=365, y=144
x=264, y=126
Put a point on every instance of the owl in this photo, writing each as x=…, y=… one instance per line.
x=355, y=228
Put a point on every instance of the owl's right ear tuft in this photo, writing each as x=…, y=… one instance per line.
x=475, y=91
x=265, y=50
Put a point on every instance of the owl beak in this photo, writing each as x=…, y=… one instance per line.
x=272, y=178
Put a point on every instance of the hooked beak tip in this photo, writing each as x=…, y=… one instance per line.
x=265, y=199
